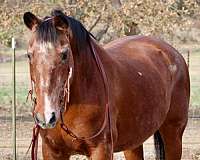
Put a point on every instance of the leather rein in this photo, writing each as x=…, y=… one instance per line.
x=107, y=115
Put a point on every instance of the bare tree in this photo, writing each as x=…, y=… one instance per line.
x=198, y=2
x=116, y=3
x=132, y=29
x=70, y=2
x=180, y=4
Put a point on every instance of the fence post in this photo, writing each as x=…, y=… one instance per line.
x=14, y=102
x=188, y=59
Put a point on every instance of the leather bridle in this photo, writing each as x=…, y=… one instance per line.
x=66, y=97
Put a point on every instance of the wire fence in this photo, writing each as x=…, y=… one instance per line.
x=191, y=142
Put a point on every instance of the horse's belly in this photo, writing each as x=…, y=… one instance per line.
x=141, y=111
x=134, y=130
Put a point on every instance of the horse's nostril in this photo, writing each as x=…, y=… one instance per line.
x=38, y=118
x=53, y=118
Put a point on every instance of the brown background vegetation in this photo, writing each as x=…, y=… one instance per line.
x=177, y=21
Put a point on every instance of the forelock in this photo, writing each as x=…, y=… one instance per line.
x=46, y=31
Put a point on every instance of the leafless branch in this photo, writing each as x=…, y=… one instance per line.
x=100, y=34
x=97, y=20
x=95, y=23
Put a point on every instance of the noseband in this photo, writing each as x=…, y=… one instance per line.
x=66, y=97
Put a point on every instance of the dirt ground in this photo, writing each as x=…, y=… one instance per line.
x=191, y=141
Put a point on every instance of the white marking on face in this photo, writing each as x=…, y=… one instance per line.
x=33, y=85
x=43, y=83
x=48, y=110
x=43, y=47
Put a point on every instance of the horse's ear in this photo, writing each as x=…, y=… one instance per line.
x=60, y=23
x=31, y=21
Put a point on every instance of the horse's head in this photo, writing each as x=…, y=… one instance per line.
x=50, y=57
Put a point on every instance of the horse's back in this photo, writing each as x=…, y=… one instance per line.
x=138, y=46
x=150, y=53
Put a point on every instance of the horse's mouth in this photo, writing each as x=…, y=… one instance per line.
x=51, y=125
x=47, y=126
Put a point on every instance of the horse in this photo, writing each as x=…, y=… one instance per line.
x=96, y=99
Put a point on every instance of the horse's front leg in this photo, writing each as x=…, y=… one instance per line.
x=101, y=152
x=50, y=154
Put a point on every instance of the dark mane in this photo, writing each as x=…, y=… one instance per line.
x=47, y=32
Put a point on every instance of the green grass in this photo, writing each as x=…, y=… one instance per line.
x=5, y=95
x=194, y=71
x=195, y=97
x=6, y=83
x=7, y=92
x=9, y=51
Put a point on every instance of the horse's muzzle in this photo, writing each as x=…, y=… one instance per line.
x=40, y=120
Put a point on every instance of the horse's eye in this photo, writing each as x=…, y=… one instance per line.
x=28, y=55
x=64, y=54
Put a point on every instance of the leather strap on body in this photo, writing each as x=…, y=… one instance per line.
x=107, y=115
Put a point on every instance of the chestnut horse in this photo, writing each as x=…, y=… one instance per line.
x=95, y=100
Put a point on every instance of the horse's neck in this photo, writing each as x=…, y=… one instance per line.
x=88, y=85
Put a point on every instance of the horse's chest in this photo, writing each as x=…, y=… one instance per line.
x=65, y=144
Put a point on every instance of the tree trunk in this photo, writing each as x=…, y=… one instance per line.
x=132, y=29
x=180, y=4
x=70, y=2
x=116, y=3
